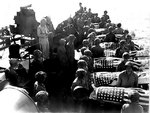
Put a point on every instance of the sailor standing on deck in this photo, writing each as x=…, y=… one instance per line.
x=105, y=16
x=42, y=32
x=81, y=8
x=51, y=31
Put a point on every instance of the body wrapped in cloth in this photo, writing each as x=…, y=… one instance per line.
x=104, y=78
x=119, y=95
x=106, y=64
x=110, y=78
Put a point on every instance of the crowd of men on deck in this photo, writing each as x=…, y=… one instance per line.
x=54, y=69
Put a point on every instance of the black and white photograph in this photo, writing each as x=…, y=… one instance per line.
x=74, y=56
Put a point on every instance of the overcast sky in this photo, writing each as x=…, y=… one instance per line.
x=119, y=10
